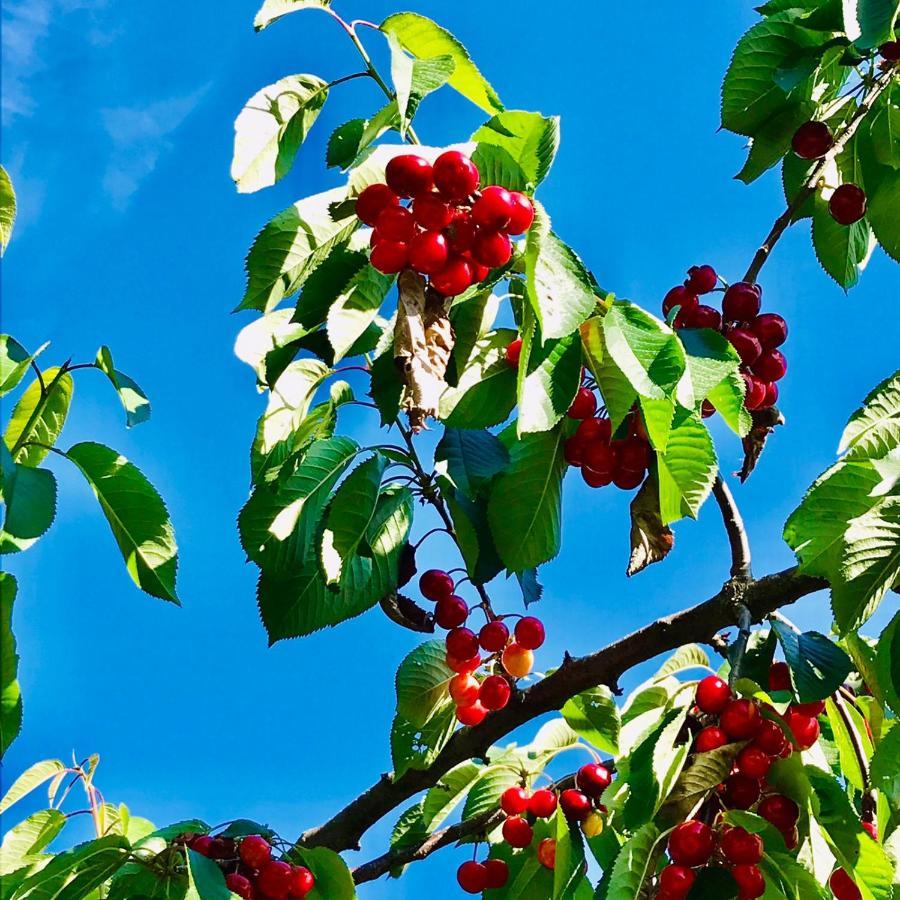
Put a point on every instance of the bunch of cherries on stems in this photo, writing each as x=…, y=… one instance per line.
x=522, y=807
x=450, y=231
x=250, y=871
x=506, y=658
x=755, y=336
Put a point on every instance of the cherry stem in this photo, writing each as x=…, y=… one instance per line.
x=428, y=534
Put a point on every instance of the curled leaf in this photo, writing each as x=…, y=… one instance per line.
x=764, y=422
x=651, y=540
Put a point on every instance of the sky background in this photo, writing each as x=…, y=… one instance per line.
x=117, y=132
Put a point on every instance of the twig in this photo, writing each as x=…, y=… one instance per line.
x=734, y=526
x=745, y=620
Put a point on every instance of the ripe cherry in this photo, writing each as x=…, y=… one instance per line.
x=472, y=877
x=221, y=848
x=771, y=366
x=780, y=677
x=494, y=636
x=575, y=804
x=274, y=879
x=626, y=479
x=600, y=456
x=591, y=430
x=373, y=200
x=435, y=584
x=395, y=224
x=462, y=643
x=461, y=233
x=814, y=709
x=479, y=272
x=595, y=479
x=584, y=405
x=428, y=252
x=254, y=851
x=494, y=208
x=522, y=214
x=753, y=762
x=741, y=301
x=455, y=175
x=593, y=779
x=890, y=50
x=771, y=329
x=740, y=720
x=389, y=257
x=494, y=693
x=791, y=838
x=843, y=886
x=409, y=175
x=491, y=248
x=432, y=212
x=805, y=729
x=593, y=824
x=741, y=792
x=201, y=844
x=633, y=454
x=701, y=316
x=239, y=885
x=517, y=660
x=701, y=279
x=707, y=409
x=770, y=738
x=471, y=715
x=750, y=881
x=871, y=829
x=451, y=612
x=542, y=804
x=847, y=204
x=463, y=666
x=454, y=278
x=679, y=296
x=497, y=873
x=463, y=689
x=513, y=352
x=529, y=632
x=517, y=832
x=713, y=694
x=691, y=843
x=812, y=140
x=781, y=811
x=756, y=391
x=302, y=881
x=710, y=738
x=514, y=801
x=740, y=846
x=744, y=342
x=676, y=881
x=546, y=853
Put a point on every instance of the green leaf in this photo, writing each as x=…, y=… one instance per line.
x=881, y=213
x=772, y=140
x=570, y=866
x=496, y=166
x=29, y=502
x=333, y=878
x=615, y=387
x=10, y=694
x=134, y=400
x=705, y=772
x=504, y=769
x=634, y=864
x=422, y=680
x=884, y=770
x=473, y=532
x=14, y=361
x=74, y=874
x=872, y=22
x=7, y=209
x=29, y=838
x=529, y=140
x=39, y=416
x=799, y=883
x=818, y=666
x=884, y=130
x=561, y=291
x=206, y=880
x=266, y=341
x=470, y=459
x=136, y=514
x=345, y=144
x=850, y=735
x=271, y=127
x=386, y=388
x=292, y=246
x=415, y=747
x=887, y=662
x=686, y=469
x=594, y=716
x=877, y=421
x=842, y=250
x=414, y=79
x=528, y=879
x=524, y=506
x=425, y=39
x=31, y=778
x=275, y=9
x=355, y=308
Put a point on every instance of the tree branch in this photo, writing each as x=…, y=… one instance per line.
x=734, y=526
x=700, y=623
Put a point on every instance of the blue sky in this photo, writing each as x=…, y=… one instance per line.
x=117, y=132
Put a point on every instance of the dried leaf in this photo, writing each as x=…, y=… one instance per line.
x=764, y=422
x=651, y=541
x=406, y=612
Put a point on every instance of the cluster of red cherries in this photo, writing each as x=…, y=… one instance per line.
x=755, y=336
x=506, y=658
x=250, y=871
x=451, y=232
x=523, y=807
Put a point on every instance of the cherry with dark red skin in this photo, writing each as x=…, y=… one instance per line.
x=494, y=636
x=812, y=140
x=890, y=51
x=373, y=201
x=454, y=278
x=741, y=792
x=741, y=301
x=451, y=612
x=791, y=838
x=626, y=479
x=600, y=457
x=781, y=811
x=496, y=873
x=389, y=257
x=409, y=175
x=740, y=720
x=771, y=366
x=471, y=715
x=771, y=739
x=513, y=353
x=679, y=296
x=479, y=272
x=814, y=709
x=710, y=738
x=771, y=397
x=222, y=848
x=701, y=279
x=871, y=829
x=744, y=342
x=432, y=212
x=491, y=248
x=428, y=252
x=594, y=430
x=595, y=479
x=436, y=584
x=302, y=881
x=522, y=214
x=517, y=832
x=805, y=729
x=691, y=843
x=584, y=405
x=455, y=175
x=462, y=643
x=753, y=762
x=494, y=208
x=756, y=391
x=713, y=694
x=573, y=451
x=701, y=316
x=239, y=885
x=495, y=692
x=707, y=409
x=847, y=204
x=593, y=779
x=750, y=881
x=530, y=632
x=542, y=804
x=463, y=688
x=472, y=877
x=676, y=881
x=575, y=804
x=461, y=233
x=843, y=886
x=395, y=224
x=274, y=879
x=514, y=801
x=633, y=454
x=201, y=844
x=771, y=329
x=740, y=846
x=780, y=677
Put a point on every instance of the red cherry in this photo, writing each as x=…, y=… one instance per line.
x=781, y=811
x=770, y=739
x=409, y=175
x=633, y=454
x=890, y=50
x=741, y=301
x=771, y=395
x=573, y=451
x=494, y=636
x=274, y=879
x=542, y=804
x=373, y=200
x=814, y=709
x=463, y=666
x=463, y=689
x=302, y=881
x=679, y=296
x=522, y=214
x=710, y=738
x=741, y=792
x=753, y=762
x=497, y=873
x=595, y=479
x=517, y=832
x=546, y=853
x=676, y=881
x=847, y=204
x=812, y=140
x=600, y=456
x=843, y=886
x=626, y=479
x=691, y=843
x=575, y=805
x=461, y=233
x=201, y=844
x=454, y=278
x=755, y=393
x=701, y=316
x=479, y=272
x=395, y=224
x=740, y=720
x=593, y=779
x=701, y=279
x=771, y=329
x=739, y=846
x=239, y=885
x=713, y=694
x=389, y=257
x=707, y=409
x=780, y=677
x=584, y=405
x=771, y=366
x=451, y=612
x=471, y=715
x=221, y=848
x=749, y=880
x=745, y=342
x=529, y=632
x=791, y=838
x=513, y=353
x=455, y=175
x=435, y=584
x=591, y=430
x=472, y=877
x=871, y=829
x=494, y=693
x=491, y=248
x=462, y=643
x=494, y=208
x=514, y=801
x=805, y=729
x=431, y=212
x=428, y=252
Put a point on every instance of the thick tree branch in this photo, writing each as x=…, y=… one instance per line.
x=734, y=526
x=700, y=623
